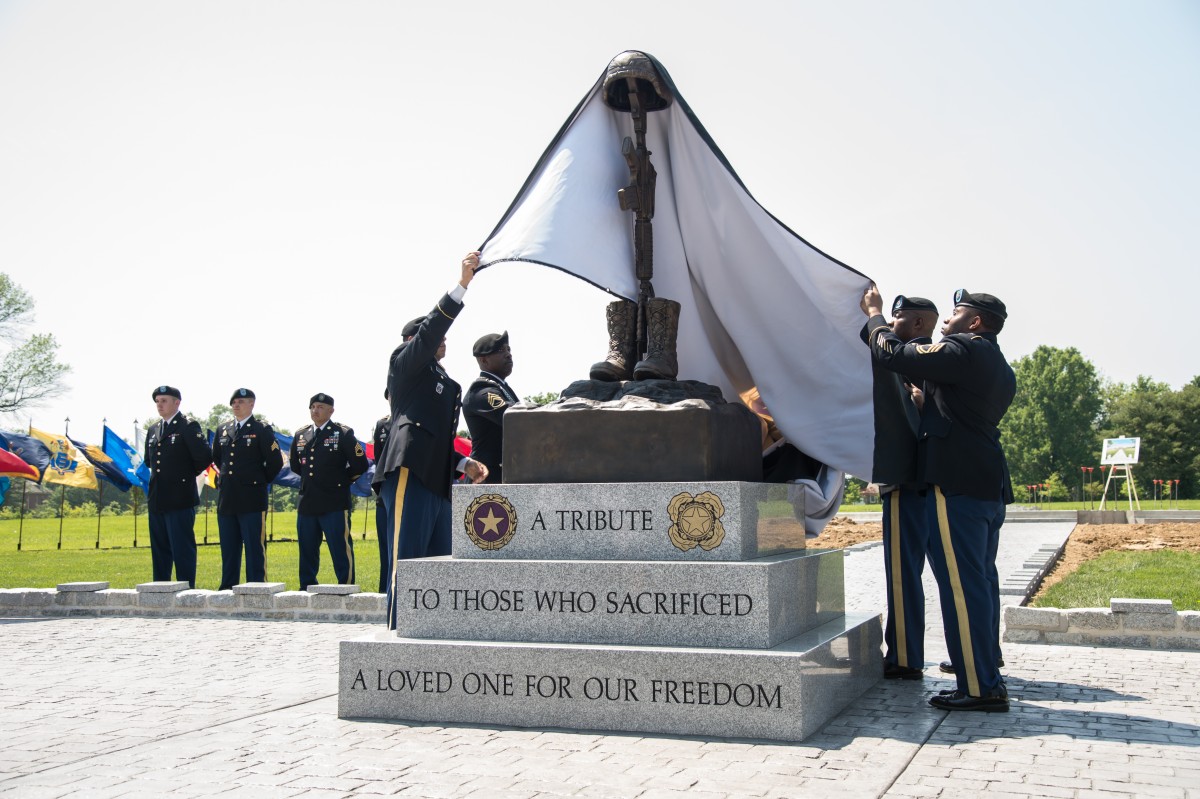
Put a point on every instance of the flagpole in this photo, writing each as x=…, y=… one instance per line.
x=62, y=496
x=21, y=527
x=135, y=496
x=100, y=490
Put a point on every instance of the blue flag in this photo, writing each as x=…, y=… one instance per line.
x=286, y=476
x=28, y=449
x=362, y=486
x=106, y=467
x=127, y=459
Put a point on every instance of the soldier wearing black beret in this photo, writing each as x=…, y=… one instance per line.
x=416, y=467
x=248, y=458
x=328, y=459
x=968, y=388
x=487, y=399
x=176, y=453
x=905, y=522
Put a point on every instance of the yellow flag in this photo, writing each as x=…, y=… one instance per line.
x=66, y=465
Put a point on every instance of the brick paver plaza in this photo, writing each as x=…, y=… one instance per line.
x=112, y=707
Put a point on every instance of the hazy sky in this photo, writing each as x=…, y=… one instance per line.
x=225, y=194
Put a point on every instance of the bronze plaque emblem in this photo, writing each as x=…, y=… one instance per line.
x=696, y=521
x=490, y=521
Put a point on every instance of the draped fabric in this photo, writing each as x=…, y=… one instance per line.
x=761, y=306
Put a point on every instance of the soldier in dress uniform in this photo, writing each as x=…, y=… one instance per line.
x=968, y=388
x=328, y=459
x=487, y=399
x=247, y=458
x=905, y=522
x=379, y=439
x=176, y=453
x=418, y=461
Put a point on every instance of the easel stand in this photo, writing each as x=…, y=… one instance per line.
x=1122, y=471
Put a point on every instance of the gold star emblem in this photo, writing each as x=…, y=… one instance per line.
x=696, y=521
x=491, y=522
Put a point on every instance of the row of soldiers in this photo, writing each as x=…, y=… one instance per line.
x=326, y=456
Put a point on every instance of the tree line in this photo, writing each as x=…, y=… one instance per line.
x=1063, y=411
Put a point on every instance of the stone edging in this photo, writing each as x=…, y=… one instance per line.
x=1145, y=623
x=258, y=601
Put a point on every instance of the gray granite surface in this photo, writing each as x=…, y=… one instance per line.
x=756, y=603
x=785, y=693
x=623, y=521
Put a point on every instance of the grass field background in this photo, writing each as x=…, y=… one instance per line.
x=40, y=564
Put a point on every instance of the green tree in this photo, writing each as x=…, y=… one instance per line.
x=1168, y=422
x=30, y=372
x=545, y=398
x=1050, y=429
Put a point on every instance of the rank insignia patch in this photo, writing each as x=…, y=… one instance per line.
x=490, y=521
x=495, y=400
x=696, y=521
x=929, y=349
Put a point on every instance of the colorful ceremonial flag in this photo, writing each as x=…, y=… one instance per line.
x=12, y=466
x=28, y=449
x=126, y=458
x=105, y=468
x=286, y=476
x=4, y=486
x=362, y=486
x=66, y=465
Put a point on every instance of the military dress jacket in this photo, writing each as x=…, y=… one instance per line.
x=248, y=460
x=897, y=423
x=483, y=410
x=175, y=454
x=328, y=461
x=968, y=388
x=425, y=403
x=378, y=441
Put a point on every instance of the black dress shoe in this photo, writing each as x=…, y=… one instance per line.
x=960, y=701
x=893, y=671
x=948, y=667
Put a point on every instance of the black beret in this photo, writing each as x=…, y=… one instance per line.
x=983, y=302
x=902, y=303
x=169, y=391
x=241, y=393
x=325, y=398
x=486, y=345
x=411, y=328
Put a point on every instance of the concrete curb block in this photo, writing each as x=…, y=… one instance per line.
x=1141, y=623
x=257, y=602
x=1024, y=582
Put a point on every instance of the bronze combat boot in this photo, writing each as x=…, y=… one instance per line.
x=622, y=342
x=662, y=331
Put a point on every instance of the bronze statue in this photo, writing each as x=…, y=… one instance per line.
x=633, y=84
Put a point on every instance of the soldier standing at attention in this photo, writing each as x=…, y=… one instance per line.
x=328, y=459
x=247, y=458
x=175, y=453
x=486, y=401
x=968, y=388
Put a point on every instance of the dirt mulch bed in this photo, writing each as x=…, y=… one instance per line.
x=1089, y=541
x=842, y=532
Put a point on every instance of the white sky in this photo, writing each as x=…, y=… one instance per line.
x=225, y=194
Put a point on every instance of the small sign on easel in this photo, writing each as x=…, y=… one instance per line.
x=1120, y=454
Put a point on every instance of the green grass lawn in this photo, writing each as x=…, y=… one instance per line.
x=40, y=564
x=1159, y=574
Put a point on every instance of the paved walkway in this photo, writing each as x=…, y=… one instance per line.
x=137, y=707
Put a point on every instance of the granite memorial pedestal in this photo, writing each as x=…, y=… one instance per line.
x=690, y=608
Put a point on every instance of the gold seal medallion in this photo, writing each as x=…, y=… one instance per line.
x=490, y=521
x=696, y=521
